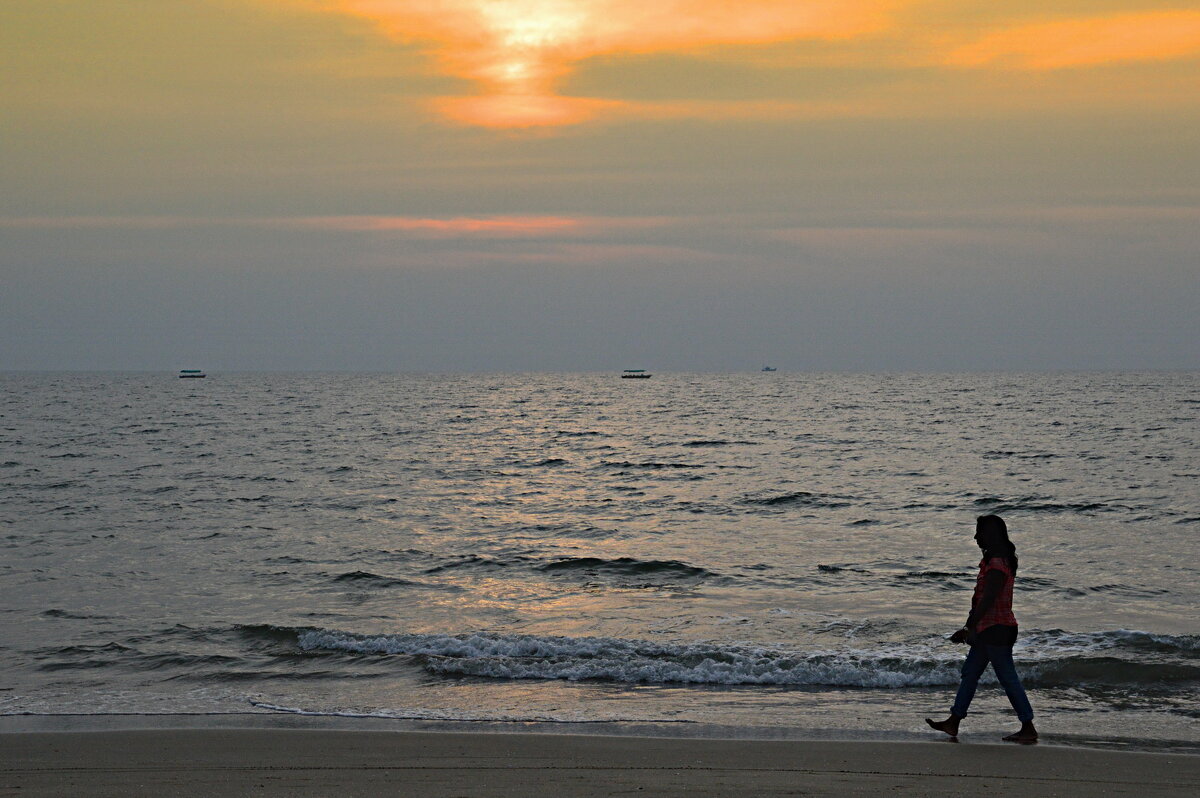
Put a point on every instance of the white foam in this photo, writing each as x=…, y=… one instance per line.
x=635, y=661
x=1055, y=642
x=932, y=662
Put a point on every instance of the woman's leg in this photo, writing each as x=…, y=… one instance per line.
x=972, y=669
x=1006, y=674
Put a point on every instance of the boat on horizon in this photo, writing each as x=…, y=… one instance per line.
x=769, y=368
x=191, y=374
x=636, y=374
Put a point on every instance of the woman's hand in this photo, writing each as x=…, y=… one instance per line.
x=960, y=636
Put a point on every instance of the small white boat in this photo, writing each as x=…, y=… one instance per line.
x=636, y=374
x=191, y=374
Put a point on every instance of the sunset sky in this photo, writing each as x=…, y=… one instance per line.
x=492, y=185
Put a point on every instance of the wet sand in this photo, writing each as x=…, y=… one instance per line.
x=195, y=762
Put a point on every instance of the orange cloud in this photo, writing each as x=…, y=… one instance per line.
x=518, y=51
x=1154, y=35
x=485, y=226
x=524, y=110
x=470, y=226
x=417, y=226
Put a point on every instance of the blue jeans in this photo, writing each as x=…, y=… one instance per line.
x=1006, y=673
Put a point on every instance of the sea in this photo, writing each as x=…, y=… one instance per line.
x=756, y=555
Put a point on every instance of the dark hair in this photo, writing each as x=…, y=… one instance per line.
x=993, y=537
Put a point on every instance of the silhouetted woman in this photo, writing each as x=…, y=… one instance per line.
x=991, y=630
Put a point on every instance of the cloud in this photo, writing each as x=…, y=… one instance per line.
x=505, y=112
x=500, y=226
x=588, y=254
x=98, y=222
x=544, y=64
x=517, y=52
x=468, y=226
x=492, y=226
x=1093, y=41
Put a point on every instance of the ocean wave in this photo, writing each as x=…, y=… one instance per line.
x=1002, y=453
x=368, y=579
x=653, y=466
x=129, y=658
x=260, y=635
x=628, y=566
x=634, y=661
x=1061, y=641
x=799, y=498
x=1056, y=660
x=74, y=616
x=939, y=580
x=1129, y=590
x=470, y=561
x=1035, y=504
x=936, y=575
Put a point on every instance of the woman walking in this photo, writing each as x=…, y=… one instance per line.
x=991, y=630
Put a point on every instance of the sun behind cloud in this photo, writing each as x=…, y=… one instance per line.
x=517, y=52
x=516, y=58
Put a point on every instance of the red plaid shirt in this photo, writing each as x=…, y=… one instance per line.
x=1001, y=610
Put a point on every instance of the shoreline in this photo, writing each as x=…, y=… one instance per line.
x=194, y=762
x=981, y=734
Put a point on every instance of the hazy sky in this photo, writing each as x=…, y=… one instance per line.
x=599, y=184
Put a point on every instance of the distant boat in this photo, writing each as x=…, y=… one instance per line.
x=636, y=374
x=769, y=368
x=191, y=374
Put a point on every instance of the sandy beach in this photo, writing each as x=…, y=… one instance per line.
x=349, y=763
